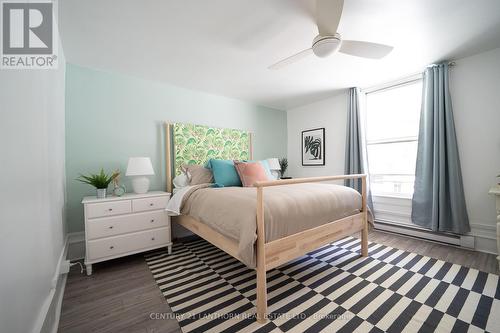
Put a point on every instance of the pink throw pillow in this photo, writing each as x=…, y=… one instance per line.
x=250, y=172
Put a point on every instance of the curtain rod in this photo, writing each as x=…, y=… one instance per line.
x=393, y=83
x=404, y=80
x=450, y=64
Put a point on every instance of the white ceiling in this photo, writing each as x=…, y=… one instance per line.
x=225, y=46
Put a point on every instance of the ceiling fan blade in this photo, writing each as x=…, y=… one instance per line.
x=365, y=49
x=290, y=60
x=328, y=13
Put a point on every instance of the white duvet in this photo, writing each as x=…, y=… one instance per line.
x=175, y=203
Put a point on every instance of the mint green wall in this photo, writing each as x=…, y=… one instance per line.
x=110, y=117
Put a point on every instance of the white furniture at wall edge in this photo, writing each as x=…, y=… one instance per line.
x=120, y=226
x=496, y=192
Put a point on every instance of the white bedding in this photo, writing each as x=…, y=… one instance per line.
x=175, y=202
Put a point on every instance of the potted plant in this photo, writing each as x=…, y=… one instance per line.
x=100, y=181
x=283, y=166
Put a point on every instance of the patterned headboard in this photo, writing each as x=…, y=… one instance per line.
x=196, y=144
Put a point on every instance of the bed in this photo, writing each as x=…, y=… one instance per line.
x=271, y=223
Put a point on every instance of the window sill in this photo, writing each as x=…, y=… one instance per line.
x=392, y=196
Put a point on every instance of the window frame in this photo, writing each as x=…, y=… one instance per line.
x=380, y=88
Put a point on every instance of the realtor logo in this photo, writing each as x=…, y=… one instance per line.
x=28, y=35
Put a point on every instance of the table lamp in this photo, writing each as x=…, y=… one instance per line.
x=139, y=168
x=274, y=165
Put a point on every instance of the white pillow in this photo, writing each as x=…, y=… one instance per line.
x=181, y=181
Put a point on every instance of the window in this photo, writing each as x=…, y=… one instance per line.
x=392, y=121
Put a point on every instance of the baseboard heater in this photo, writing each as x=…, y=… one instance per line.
x=465, y=241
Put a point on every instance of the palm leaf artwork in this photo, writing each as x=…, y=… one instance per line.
x=313, y=146
x=100, y=180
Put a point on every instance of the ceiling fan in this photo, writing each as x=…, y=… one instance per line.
x=328, y=41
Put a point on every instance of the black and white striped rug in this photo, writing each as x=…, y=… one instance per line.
x=332, y=289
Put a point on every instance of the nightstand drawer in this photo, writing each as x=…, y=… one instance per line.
x=108, y=208
x=141, y=205
x=113, y=246
x=116, y=225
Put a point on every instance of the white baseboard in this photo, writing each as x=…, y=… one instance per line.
x=482, y=237
x=51, y=324
x=398, y=211
x=48, y=318
x=55, y=327
x=416, y=232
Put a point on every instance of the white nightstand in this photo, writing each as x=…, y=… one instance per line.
x=120, y=226
x=496, y=191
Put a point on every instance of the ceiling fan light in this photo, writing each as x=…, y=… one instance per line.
x=324, y=46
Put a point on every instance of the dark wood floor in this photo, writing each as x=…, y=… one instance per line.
x=121, y=295
x=479, y=260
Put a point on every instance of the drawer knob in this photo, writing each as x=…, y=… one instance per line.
x=152, y=220
x=110, y=209
x=152, y=238
x=151, y=204
x=111, y=247
x=110, y=227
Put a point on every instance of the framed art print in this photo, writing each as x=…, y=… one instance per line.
x=313, y=147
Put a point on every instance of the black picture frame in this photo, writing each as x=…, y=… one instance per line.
x=313, y=147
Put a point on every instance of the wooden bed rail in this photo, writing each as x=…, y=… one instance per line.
x=268, y=183
x=262, y=247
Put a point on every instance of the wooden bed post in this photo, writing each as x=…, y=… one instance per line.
x=261, y=260
x=250, y=145
x=168, y=157
x=364, y=231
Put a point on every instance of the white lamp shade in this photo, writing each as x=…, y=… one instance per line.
x=274, y=164
x=139, y=166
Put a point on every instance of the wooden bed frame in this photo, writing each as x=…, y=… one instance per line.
x=275, y=253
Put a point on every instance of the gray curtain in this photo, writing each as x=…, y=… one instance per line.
x=355, y=151
x=438, y=201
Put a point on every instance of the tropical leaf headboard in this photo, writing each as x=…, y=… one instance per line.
x=196, y=144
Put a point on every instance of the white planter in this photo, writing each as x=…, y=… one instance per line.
x=101, y=193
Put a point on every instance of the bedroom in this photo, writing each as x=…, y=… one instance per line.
x=410, y=123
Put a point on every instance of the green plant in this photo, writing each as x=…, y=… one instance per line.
x=283, y=165
x=100, y=180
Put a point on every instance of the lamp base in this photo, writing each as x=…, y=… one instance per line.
x=140, y=184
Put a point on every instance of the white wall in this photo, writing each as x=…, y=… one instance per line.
x=331, y=114
x=475, y=90
x=32, y=199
